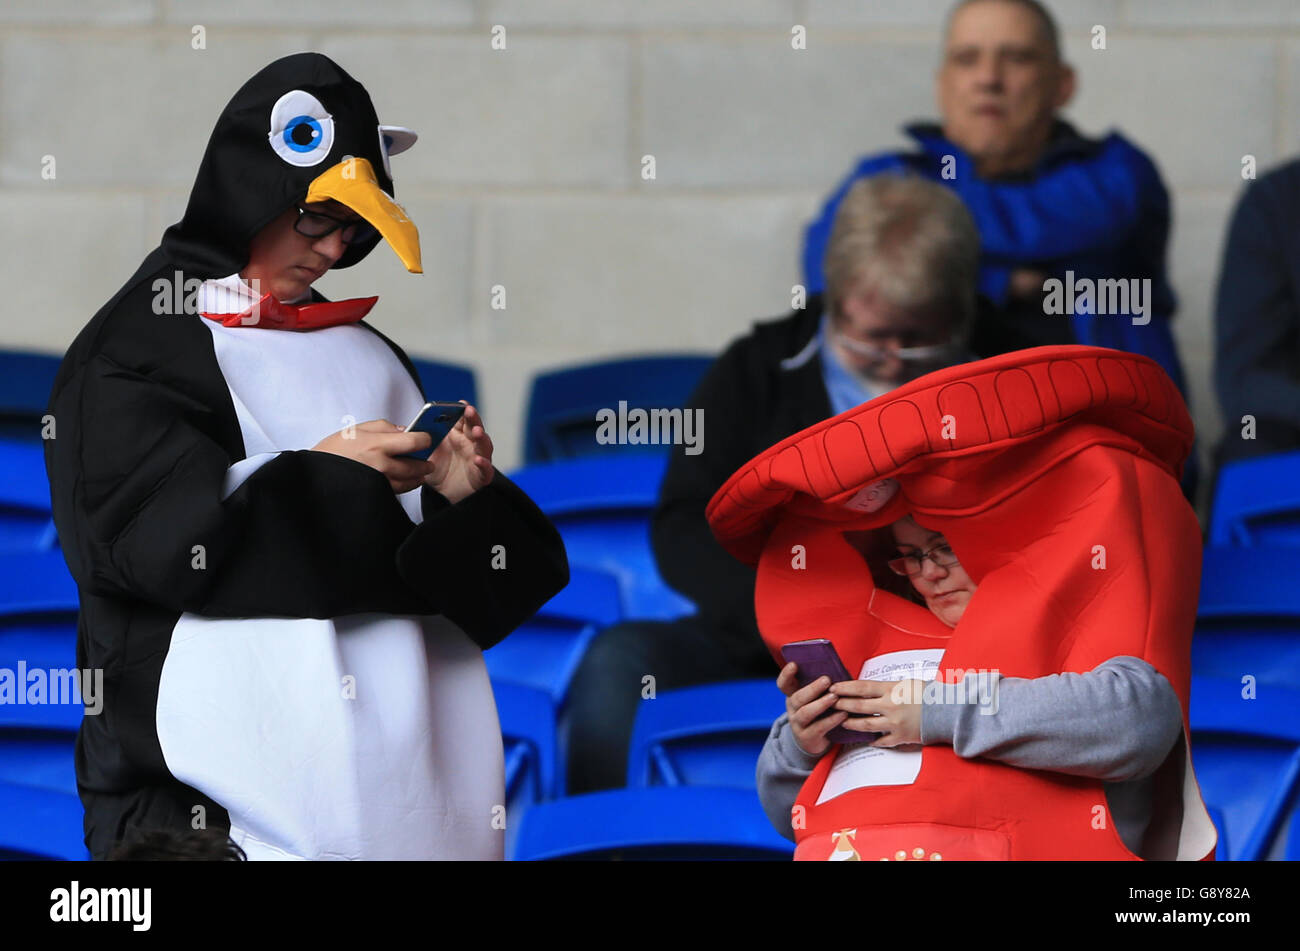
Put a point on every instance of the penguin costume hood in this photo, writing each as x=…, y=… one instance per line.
x=301, y=130
x=282, y=637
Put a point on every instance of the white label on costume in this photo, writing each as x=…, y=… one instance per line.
x=874, y=497
x=865, y=765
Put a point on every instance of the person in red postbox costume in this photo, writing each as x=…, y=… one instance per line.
x=1049, y=479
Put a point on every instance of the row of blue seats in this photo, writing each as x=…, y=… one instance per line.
x=1256, y=503
x=560, y=414
x=601, y=506
x=690, y=778
x=1247, y=753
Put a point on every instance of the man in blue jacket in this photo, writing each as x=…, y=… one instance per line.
x=1051, y=205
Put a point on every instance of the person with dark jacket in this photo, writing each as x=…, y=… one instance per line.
x=288, y=594
x=1257, y=320
x=899, y=302
x=1060, y=215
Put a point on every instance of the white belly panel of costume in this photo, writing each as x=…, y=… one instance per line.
x=367, y=736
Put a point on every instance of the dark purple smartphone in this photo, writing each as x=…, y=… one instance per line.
x=818, y=658
x=436, y=419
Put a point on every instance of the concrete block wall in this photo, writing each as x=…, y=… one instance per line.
x=528, y=171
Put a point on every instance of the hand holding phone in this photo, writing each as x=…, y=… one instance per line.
x=436, y=419
x=818, y=658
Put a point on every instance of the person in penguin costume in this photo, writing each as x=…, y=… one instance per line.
x=289, y=615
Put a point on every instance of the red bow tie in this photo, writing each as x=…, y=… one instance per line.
x=273, y=315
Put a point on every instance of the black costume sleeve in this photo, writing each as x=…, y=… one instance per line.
x=689, y=557
x=137, y=487
x=495, y=558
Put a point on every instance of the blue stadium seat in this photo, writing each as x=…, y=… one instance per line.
x=38, y=632
x=25, y=520
x=1248, y=617
x=602, y=507
x=563, y=404
x=709, y=735
x=38, y=612
x=36, y=583
x=26, y=381
x=1292, y=853
x=671, y=823
x=42, y=759
x=447, y=382
x=1246, y=753
x=544, y=652
x=40, y=824
x=531, y=759
x=1222, y=849
x=1257, y=502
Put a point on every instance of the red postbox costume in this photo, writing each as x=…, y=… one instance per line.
x=1053, y=473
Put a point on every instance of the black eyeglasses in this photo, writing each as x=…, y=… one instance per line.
x=941, y=555
x=313, y=224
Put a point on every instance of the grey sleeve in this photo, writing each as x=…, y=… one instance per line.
x=1116, y=722
x=782, y=768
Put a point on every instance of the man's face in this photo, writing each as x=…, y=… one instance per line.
x=286, y=263
x=1000, y=85
x=869, y=320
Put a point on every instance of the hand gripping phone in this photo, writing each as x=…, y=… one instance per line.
x=436, y=419
x=818, y=658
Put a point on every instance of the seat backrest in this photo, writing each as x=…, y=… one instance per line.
x=680, y=823
x=1246, y=754
x=706, y=735
x=602, y=507
x=563, y=404
x=26, y=381
x=40, y=823
x=447, y=382
x=545, y=651
x=1248, y=615
x=1257, y=502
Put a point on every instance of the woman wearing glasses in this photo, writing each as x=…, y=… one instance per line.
x=1072, y=723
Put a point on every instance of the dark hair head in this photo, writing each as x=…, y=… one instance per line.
x=170, y=845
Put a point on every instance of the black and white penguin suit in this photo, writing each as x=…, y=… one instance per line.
x=290, y=650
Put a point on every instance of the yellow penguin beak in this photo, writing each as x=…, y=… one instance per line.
x=353, y=183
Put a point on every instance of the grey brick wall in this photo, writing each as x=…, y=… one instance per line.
x=527, y=173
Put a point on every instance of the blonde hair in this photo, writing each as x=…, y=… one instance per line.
x=909, y=240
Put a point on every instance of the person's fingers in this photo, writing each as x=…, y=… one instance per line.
x=386, y=455
x=860, y=688
x=377, y=426
x=809, y=712
x=861, y=707
x=811, y=692
x=821, y=727
x=786, y=681
x=459, y=438
x=400, y=442
x=866, y=724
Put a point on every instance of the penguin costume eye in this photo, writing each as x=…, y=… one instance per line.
x=302, y=132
